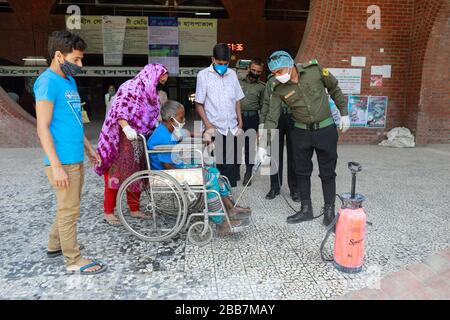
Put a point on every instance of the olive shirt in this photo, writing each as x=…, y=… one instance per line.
x=270, y=85
x=254, y=94
x=307, y=99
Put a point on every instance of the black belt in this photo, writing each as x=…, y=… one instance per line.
x=249, y=113
x=315, y=126
x=286, y=111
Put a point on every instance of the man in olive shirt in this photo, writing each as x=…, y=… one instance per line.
x=302, y=88
x=253, y=89
x=285, y=127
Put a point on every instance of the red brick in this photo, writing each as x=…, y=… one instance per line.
x=400, y=283
x=438, y=263
x=422, y=272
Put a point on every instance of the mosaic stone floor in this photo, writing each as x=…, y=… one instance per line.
x=408, y=199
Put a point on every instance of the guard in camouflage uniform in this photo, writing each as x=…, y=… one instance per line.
x=302, y=88
x=253, y=90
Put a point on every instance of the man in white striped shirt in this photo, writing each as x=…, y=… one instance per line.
x=217, y=99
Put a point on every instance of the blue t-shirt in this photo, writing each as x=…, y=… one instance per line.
x=66, y=125
x=162, y=136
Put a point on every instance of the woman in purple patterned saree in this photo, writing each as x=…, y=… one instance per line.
x=134, y=111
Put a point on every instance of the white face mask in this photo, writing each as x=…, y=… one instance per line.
x=178, y=129
x=285, y=77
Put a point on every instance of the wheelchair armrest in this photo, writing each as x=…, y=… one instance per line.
x=174, y=148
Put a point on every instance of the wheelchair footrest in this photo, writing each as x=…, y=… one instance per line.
x=247, y=223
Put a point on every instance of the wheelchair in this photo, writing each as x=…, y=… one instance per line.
x=173, y=200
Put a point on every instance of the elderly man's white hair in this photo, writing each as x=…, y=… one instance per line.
x=169, y=109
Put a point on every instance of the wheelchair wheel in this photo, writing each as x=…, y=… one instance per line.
x=198, y=235
x=148, y=191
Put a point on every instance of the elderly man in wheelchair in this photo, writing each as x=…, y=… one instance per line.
x=173, y=186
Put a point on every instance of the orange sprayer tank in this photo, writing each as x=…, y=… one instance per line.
x=350, y=222
x=350, y=238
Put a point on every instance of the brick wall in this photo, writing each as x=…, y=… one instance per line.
x=433, y=120
x=25, y=32
x=337, y=30
x=17, y=127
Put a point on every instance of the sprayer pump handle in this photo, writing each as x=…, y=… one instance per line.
x=354, y=167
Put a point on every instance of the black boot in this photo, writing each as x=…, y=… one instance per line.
x=272, y=194
x=248, y=175
x=305, y=213
x=328, y=214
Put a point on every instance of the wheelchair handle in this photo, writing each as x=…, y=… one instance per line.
x=190, y=194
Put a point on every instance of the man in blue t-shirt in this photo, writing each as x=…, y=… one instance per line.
x=60, y=129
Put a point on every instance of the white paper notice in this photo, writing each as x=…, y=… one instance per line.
x=197, y=36
x=385, y=70
x=113, y=39
x=163, y=41
x=349, y=79
x=358, y=61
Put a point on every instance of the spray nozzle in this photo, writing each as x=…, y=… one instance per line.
x=354, y=167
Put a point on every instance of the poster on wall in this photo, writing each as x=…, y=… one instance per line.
x=377, y=112
x=376, y=80
x=163, y=42
x=113, y=39
x=349, y=79
x=197, y=36
x=357, y=110
x=90, y=32
x=136, y=36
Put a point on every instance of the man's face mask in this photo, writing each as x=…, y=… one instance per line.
x=221, y=69
x=70, y=69
x=112, y=92
x=179, y=125
x=284, y=77
x=253, y=75
x=178, y=128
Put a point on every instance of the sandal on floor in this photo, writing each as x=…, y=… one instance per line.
x=81, y=270
x=57, y=253
x=111, y=220
x=140, y=215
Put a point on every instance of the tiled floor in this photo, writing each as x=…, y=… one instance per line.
x=407, y=194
